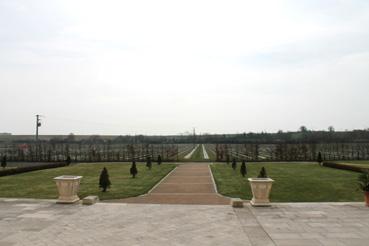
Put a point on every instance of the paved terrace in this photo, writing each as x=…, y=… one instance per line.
x=38, y=222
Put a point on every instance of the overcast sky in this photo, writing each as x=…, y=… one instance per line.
x=163, y=67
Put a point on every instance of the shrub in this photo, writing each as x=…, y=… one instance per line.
x=68, y=160
x=243, y=169
x=148, y=163
x=104, y=182
x=234, y=164
x=133, y=169
x=13, y=171
x=263, y=173
x=3, y=162
x=345, y=167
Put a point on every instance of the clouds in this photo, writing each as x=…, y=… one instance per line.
x=164, y=66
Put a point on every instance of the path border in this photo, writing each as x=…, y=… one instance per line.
x=160, y=181
x=215, y=185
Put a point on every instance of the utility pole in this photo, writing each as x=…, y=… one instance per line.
x=38, y=124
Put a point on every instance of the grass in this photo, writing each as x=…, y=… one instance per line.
x=198, y=154
x=40, y=184
x=211, y=154
x=294, y=182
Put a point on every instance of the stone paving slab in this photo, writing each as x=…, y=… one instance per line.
x=194, y=199
x=38, y=222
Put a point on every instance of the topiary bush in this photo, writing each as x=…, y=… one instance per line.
x=133, y=169
x=243, y=169
x=104, y=181
x=234, y=164
x=263, y=173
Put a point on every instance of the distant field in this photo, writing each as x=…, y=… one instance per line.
x=294, y=182
x=40, y=184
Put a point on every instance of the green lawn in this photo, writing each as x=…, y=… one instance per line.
x=198, y=154
x=40, y=184
x=212, y=155
x=294, y=182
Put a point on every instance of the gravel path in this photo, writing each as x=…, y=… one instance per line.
x=187, y=184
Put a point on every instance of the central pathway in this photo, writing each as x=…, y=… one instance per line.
x=188, y=184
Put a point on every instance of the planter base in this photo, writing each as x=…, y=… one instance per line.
x=260, y=204
x=69, y=201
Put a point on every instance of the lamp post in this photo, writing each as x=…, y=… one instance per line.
x=38, y=124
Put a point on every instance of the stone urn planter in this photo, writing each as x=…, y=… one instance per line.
x=68, y=187
x=261, y=187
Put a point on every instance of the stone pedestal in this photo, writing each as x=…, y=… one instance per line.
x=237, y=203
x=90, y=200
x=68, y=187
x=260, y=188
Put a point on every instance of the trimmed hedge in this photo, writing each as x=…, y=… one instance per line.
x=345, y=167
x=18, y=170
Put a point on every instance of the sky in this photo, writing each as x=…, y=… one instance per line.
x=165, y=67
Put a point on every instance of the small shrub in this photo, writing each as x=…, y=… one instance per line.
x=263, y=173
x=3, y=162
x=104, y=182
x=133, y=169
x=234, y=164
x=243, y=169
x=148, y=163
x=68, y=160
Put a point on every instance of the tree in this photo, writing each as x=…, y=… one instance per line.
x=234, y=164
x=320, y=159
x=159, y=159
x=263, y=173
x=148, y=163
x=133, y=169
x=68, y=160
x=227, y=159
x=331, y=129
x=104, y=182
x=243, y=169
x=71, y=138
x=3, y=162
x=303, y=129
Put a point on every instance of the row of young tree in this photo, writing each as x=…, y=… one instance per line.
x=290, y=152
x=220, y=152
x=88, y=153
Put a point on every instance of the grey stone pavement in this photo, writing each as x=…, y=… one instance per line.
x=42, y=222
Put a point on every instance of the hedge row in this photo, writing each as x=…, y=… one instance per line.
x=18, y=170
x=345, y=167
